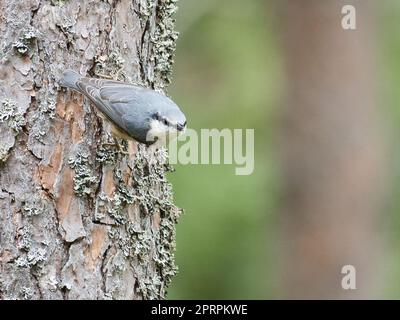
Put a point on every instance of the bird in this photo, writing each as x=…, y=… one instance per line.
x=134, y=112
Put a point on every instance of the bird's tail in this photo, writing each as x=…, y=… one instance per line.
x=69, y=79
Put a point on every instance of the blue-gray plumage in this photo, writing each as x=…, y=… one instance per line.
x=139, y=113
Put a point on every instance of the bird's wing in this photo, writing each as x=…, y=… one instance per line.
x=120, y=93
x=120, y=102
x=114, y=105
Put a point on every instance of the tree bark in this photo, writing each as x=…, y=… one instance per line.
x=333, y=151
x=78, y=218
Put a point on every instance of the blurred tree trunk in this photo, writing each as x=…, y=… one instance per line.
x=78, y=218
x=333, y=154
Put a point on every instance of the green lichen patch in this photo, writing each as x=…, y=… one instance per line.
x=48, y=106
x=146, y=8
x=114, y=206
x=150, y=288
x=164, y=40
x=149, y=172
x=34, y=257
x=110, y=66
x=27, y=293
x=141, y=243
x=149, y=175
x=26, y=41
x=149, y=248
x=4, y=153
x=58, y=2
x=33, y=208
x=66, y=24
x=85, y=180
x=169, y=213
x=115, y=210
x=166, y=241
x=11, y=115
x=107, y=154
x=25, y=238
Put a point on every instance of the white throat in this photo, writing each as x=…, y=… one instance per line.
x=161, y=132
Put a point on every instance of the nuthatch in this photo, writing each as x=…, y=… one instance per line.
x=135, y=112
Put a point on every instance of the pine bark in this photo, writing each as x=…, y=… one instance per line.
x=78, y=218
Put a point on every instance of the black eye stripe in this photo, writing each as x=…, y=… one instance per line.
x=166, y=122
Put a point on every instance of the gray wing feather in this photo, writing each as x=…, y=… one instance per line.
x=118, y=101
x=121, y=93
x=91, y=90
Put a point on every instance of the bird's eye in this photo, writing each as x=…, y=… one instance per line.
x=165, y=121
x=156, y=116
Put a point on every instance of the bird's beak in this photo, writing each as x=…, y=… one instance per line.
x=181, y=127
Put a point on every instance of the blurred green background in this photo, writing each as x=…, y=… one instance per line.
x=228, y=74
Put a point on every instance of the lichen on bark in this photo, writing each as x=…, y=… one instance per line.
x=78, y=218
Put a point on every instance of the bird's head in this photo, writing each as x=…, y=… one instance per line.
x=166, y=124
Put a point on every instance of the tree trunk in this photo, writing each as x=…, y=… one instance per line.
x=332, y=150
x=78, y=218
